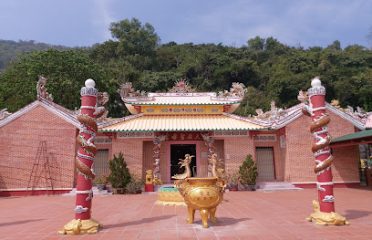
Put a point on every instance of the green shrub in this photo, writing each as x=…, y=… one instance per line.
x=119, y=176
x=248, y=171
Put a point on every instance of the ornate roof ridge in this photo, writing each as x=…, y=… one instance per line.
x=350, y=116
x=278, y=118
x=181, y=90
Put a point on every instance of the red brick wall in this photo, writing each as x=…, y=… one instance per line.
x=346, y=165
x=132, y=152
x=19, y=142
x=300, y=160
x=236, y=149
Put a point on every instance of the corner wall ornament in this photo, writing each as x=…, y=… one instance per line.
x=324, y=209
x=4, y=113
x=83, y=223
x=41, y=89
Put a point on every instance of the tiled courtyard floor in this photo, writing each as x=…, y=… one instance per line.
x=242, y=215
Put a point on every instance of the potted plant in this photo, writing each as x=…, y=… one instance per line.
x=100, y=182
x=248, y=173
x=135, y=185
x=232, y=181
x=119, y=176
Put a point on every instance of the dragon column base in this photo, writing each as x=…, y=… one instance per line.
x=77, y=226
x=324, y=218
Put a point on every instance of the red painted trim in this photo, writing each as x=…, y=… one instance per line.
x=336, y=185
x=23, y=193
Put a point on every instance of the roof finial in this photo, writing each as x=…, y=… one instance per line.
x=315, y=82
x=90, y=83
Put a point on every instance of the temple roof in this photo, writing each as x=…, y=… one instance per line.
x=66, y=114
x=182, y=99
x=181, y=123
x=182, y=94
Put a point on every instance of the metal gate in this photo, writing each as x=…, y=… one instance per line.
x=265, y=163
x=101, y=163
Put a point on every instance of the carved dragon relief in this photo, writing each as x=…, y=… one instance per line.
x=275, y=113
x=41, y=89
x=127, y=90
x=101, y=111
x=4, y=113
x=236, y=90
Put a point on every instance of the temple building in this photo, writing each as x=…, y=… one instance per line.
x=38, y=142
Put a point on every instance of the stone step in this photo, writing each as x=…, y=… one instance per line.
x=276, y=186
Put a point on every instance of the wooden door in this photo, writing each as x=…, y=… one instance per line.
x=101, y=163
x=265, y=163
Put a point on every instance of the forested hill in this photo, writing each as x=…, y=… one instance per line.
x=9, y=50
x=270, y=69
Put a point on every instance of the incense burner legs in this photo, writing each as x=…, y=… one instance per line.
x=204, y=214
x=203, y=194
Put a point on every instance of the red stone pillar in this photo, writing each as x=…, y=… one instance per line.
x=324, y=208
x=84, y=164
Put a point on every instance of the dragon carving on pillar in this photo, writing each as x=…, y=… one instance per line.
x=314, y=107
x=83, y=223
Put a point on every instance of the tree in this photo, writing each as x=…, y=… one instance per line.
x=134, y=38
x=66, y=72
x=336, y=45
x=256, y=43
x=9, y=50
x=248, y=171
x=119, y=172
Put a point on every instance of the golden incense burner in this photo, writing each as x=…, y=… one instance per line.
x=203, y=194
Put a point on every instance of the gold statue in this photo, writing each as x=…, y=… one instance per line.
x=184, y=163
x=149, y=177
x=203, y=194
x=324, y=218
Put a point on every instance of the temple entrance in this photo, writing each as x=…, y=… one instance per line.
x=265, y=163
x=178, y=151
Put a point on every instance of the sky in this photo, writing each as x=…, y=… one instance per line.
x=305, y=23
